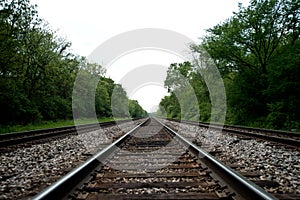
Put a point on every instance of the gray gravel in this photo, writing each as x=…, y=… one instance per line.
x=276, y=163
x=25, y=171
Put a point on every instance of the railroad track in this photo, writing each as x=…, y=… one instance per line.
x=28, y=168
x=36, y=136
x=277, y=136
x=271, y=165
x=153, y=162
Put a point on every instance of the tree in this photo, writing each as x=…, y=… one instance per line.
x=136, y=110
x=284, y=88
x=250, y=38
x=183, y=100
x=17, y=19
x=257, y=53
x=38, y=71
x=102, y=99
x=248, y=49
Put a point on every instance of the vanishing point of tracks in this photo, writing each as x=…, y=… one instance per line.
x=153, y=162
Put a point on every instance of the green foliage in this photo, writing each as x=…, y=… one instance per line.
x=34, y=67
x=136, y=110
x=257, y=52
x=50, y=124
x=102, y=99
x=176, y=74
x=119, y=102
x=54, y=107
x=38, y=71
x=188, y=94
x=283, y=90
x=169, y=107
x=250, y=38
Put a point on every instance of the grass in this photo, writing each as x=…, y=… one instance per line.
x=50, y=124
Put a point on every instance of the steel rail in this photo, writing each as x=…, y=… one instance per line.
x=27, y=136
x=21, y=133
x=219, y=126
x=68, y=183
x=242, y=186
x=235, y=129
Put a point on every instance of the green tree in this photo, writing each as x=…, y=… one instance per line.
x=257, y=53
x=38, y=71
x=102, y=99
x=119, y=102
x=182, y=102
x=251, y=37
x=248, y=49
x=170, y=107
x=136, y=110
x=16, y=20
x=284, y=88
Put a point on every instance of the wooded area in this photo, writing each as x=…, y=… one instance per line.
x=257, y=52
x=38, y=70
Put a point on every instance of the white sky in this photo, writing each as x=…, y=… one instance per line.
x=89, y=23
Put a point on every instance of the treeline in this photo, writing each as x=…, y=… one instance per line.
x=38, y=70
x=257, y=52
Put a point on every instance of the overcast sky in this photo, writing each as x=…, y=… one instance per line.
x=89, y=23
